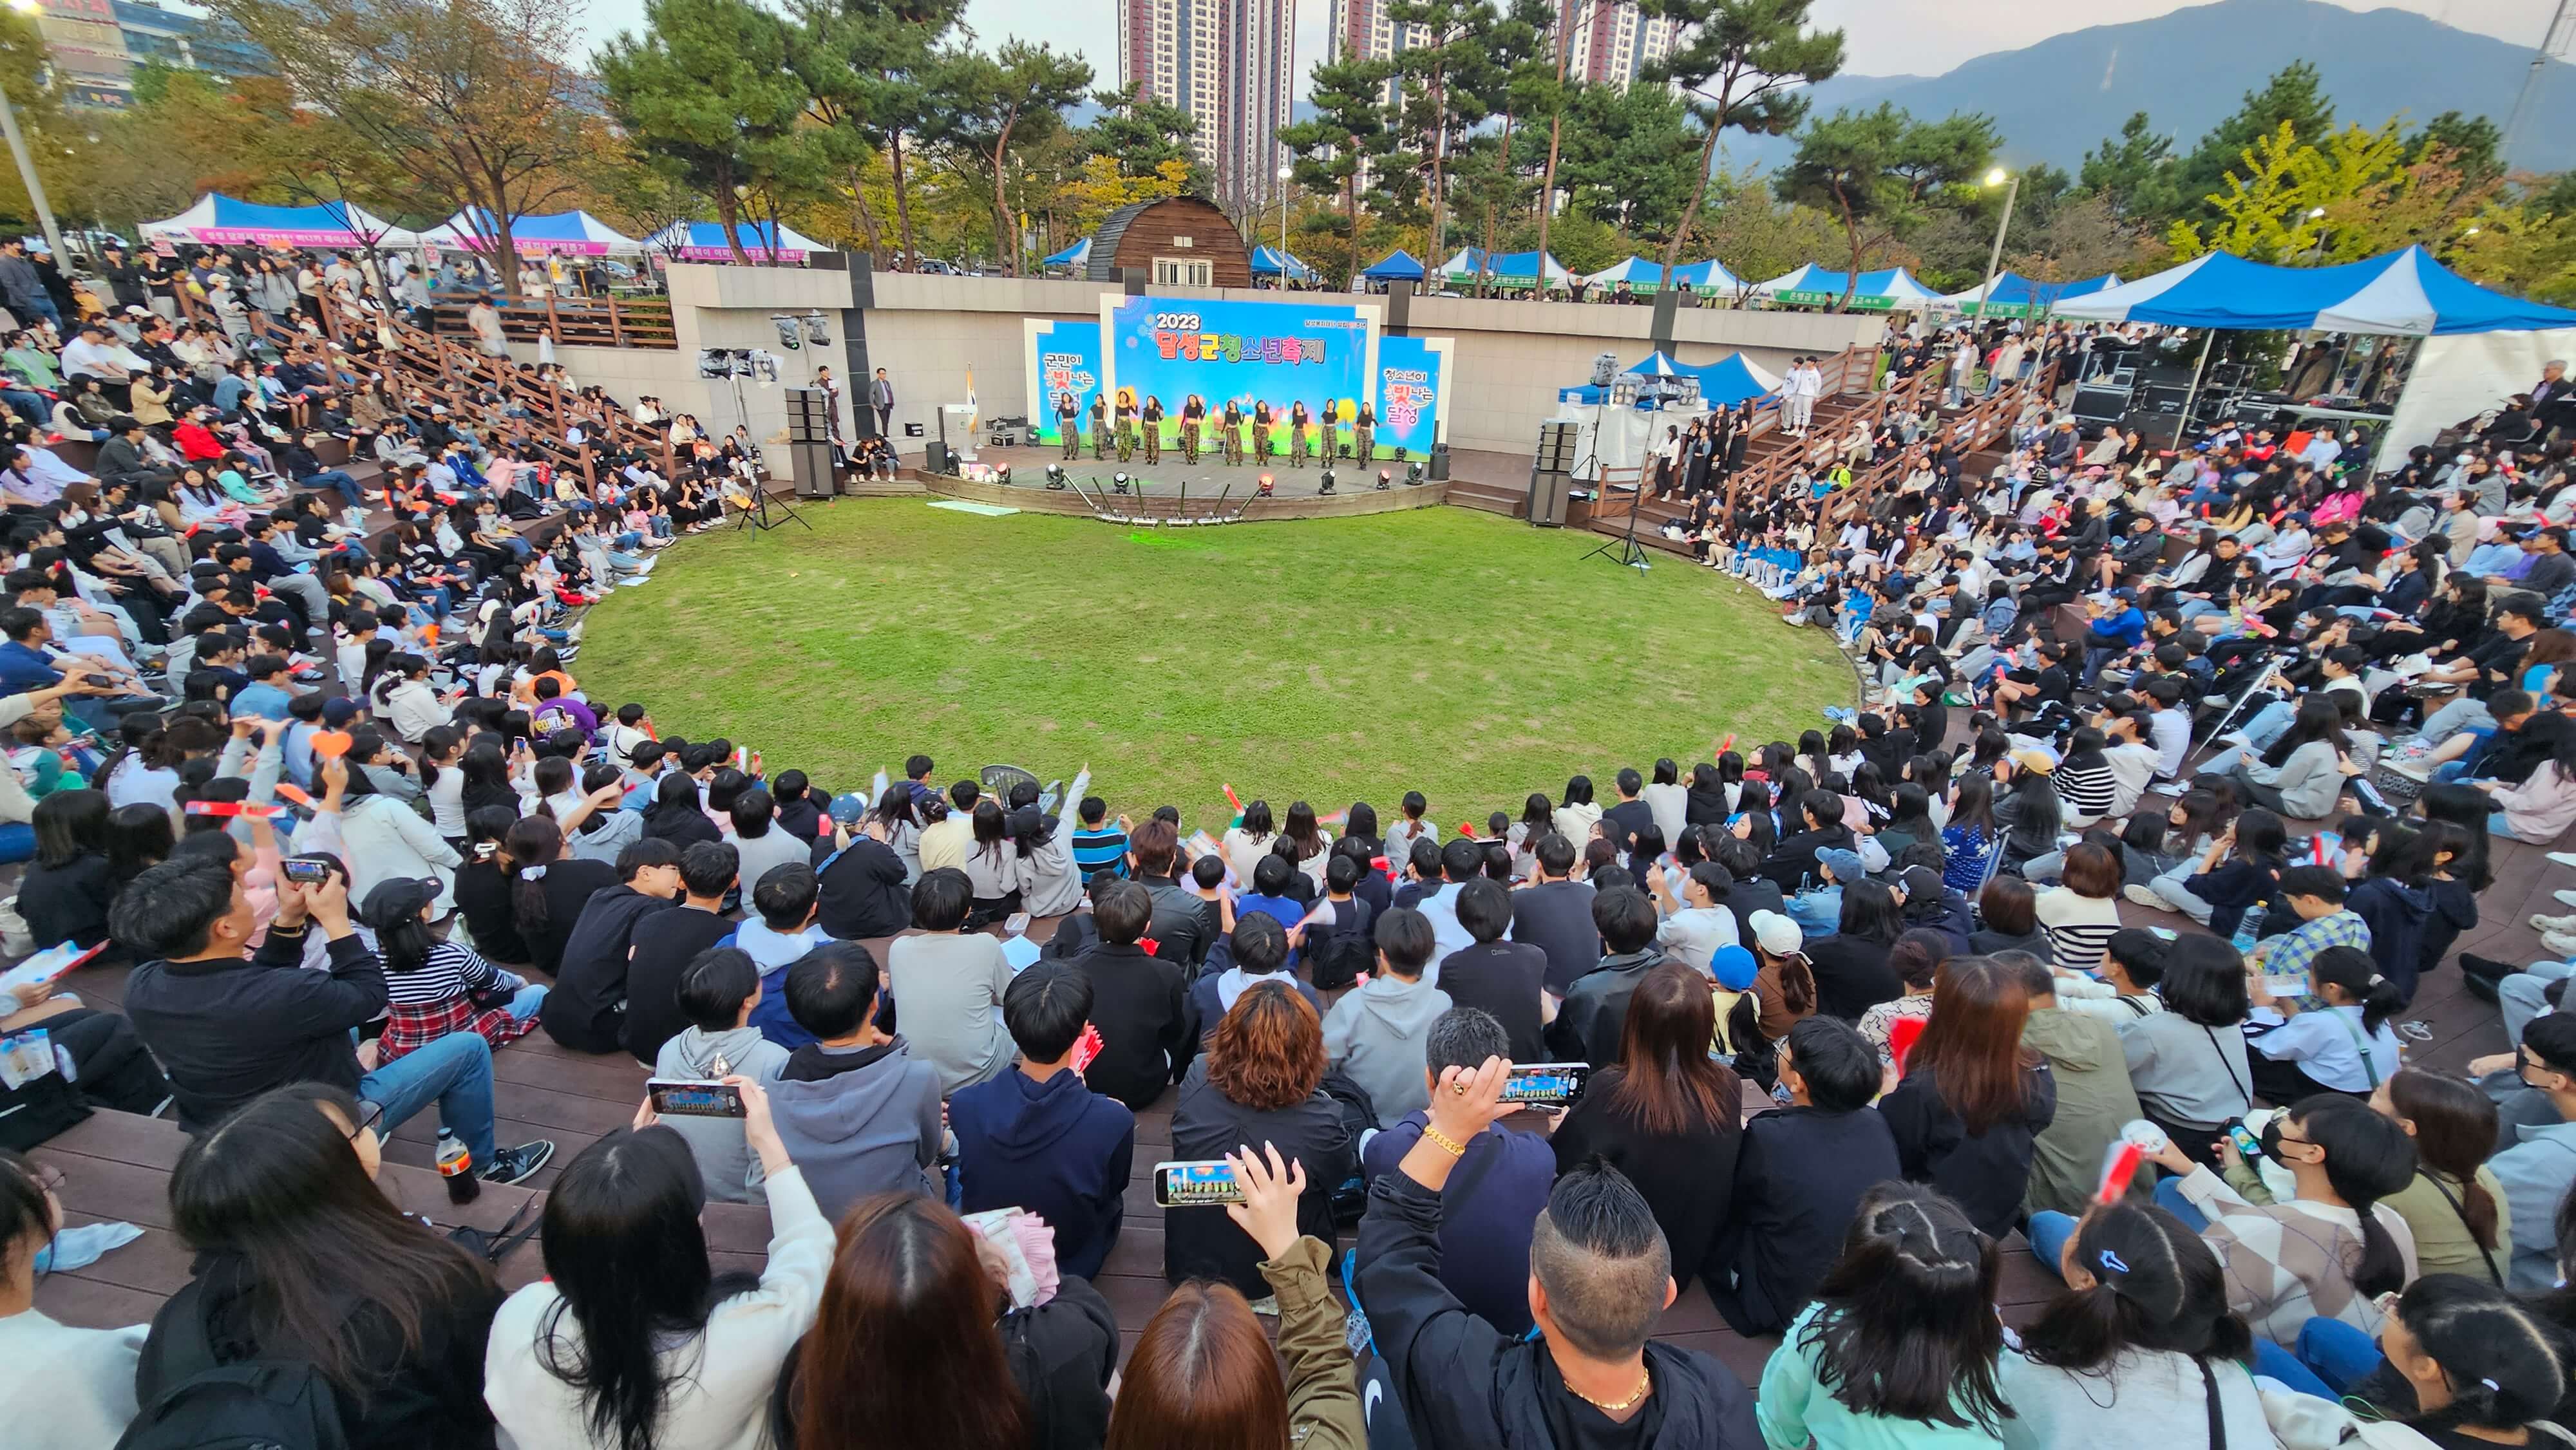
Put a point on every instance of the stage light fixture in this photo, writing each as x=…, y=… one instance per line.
x=1120, y=480
x=790, y=336
x=1268, y=486
x=1327, y=482
x=1055, y=476
x=1382, y=477
x=1413, y=474
x=1002, y=473
x=815, y=330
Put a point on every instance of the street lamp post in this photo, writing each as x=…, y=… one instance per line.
x=26, y=166
x=1995, y=255
x=1285, y=172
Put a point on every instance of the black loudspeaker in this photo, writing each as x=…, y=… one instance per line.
x=809, y=415
x=810, y=464
x=935, y=457
x=1547, y=499
x=1439, y=469
x=1556, y=443
x=2161, y=430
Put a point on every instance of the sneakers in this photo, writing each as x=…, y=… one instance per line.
x=2563, y=858
x=2145, y=897
x=2559, y=944
x=2413, y=767
x=2563, y=925
x=509, y=1165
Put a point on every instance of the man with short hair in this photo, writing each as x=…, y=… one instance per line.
x=1600, y=1276
x=1042, y=1138
x=1375, y=1034
x=1500, y=1188
x=860, y=881
x=1621, y=823
x=1555, y=915
x=1097, y=844
x=948, y=984
x=1184, y=924
x=1506, y=980
x=664, y=949
x=228, y=1024
x=1138, y=1000
x=859, y=1114
x=1588, y=1026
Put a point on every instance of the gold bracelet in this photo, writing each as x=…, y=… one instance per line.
x=1444, y=1142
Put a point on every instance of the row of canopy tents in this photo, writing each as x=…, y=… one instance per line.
x=220, y=220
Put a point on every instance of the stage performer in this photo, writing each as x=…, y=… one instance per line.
x=1068, y=425
x=1300, y=443
x=1364, y=435
x=1153, y=419
x=1099, y=427
x=1232, y=438
x=1193, y=419
x=1261, y=441
x=1126, y=416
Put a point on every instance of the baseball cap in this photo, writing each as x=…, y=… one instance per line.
x=2034, y=757
x=338, y=711
x=1733, y=966
x=1920, y=883
x=397, y=897
x=846, y=809
x=1774, y=932
x=1846, y=865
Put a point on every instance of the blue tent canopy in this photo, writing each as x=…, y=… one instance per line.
x=1722, y=384
x=221, y=220
x=1502, y=267
x=2404, y=294
x=1813, y=286
x=2017, y=295
x=1706, y=276
x=1271, y=262
x=1396, y=266
x=1076, y=256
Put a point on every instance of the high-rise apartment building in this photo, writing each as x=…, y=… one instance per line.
x=1606, y=40
x=1232, y=65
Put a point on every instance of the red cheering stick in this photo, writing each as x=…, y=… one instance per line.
x=1727, y=744
x=1085, y=1048
x=234, y=808
x=1467, y=829
x=294, y=795
x=1901, y=1036
x=1231, y=800
x=2120, y=1167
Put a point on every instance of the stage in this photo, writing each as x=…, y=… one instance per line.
x=1208, y=480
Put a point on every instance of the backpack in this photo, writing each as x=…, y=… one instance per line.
x=1338, y=954
x=1359, y=1115
x=251, y=1404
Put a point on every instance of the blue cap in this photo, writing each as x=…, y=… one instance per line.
x=1846, y=865
x=1734, y=967
x=846, y=809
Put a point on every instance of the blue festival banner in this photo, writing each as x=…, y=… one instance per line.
x=1064, y=357
x=1408, y=395
x=1245, y=353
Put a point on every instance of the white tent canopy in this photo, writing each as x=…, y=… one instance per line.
x=220, y=220
x=1813, y=286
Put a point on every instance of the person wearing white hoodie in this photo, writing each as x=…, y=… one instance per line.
x=1377, y=1033
x=717, y=993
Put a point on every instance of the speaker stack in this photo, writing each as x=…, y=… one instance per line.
x=1551, y=474
x=809, y=442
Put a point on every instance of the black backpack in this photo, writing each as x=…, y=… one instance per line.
x=1359, y=1115
x=1339, y=953
x=250, y=1404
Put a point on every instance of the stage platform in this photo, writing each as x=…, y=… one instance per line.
x=1206, y=480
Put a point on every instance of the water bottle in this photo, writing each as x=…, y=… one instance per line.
x=2249, y=928
x=456, y=1165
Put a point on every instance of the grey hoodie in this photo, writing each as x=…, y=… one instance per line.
x=858, y=1120
x=727, y=1164
x=1376, y=1036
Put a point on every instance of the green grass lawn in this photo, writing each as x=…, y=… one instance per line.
x=1458, y=653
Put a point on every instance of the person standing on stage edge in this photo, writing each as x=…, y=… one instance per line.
x=1233, y=438
x=1364, y=434
x=1099, y=427
x=881, y=398
x=1153, y=419
x=1068, y=425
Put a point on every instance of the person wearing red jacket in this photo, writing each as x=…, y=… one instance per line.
x=197, y=443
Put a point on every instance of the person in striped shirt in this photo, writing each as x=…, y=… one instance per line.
x=1097, y=845
x=432, y=986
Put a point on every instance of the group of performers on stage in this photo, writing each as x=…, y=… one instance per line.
x=1121, y=424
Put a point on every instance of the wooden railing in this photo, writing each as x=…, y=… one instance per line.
x=572, y=322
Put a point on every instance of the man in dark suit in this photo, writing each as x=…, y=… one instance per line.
x=881, y=398
x=2553, y=398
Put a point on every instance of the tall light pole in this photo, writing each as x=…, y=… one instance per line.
x=26, y=166
x=1995, y=255
x=1285, y=172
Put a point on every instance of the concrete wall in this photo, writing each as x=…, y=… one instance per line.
x=927, y=331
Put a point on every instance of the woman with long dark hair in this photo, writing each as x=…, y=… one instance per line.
x=1973, y=1098
x=2346, y=1046
x=2141, y=1347
x=1308, y=839
x=2455, y=1208
x=1852, y=974
x=1667, y=1114
x=2301, y=773
x=676, y=815
x=68, y=887
x=2333, y=1247
x=2239, y=869
x=911, y=1301
x=2188, y=1062
x=2483, y=1369
x=1969, y=837
x=301, y=1258
x=632, y=1341
x=2030, y=814
x=548, y=887
x=992, y=865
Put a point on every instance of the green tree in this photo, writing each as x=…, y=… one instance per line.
x=2475, y=144
x=1626, y=157
x=1335, y=146
x=1143, y=133
x=1874, y=170
x=2135, y=170
x=1451, y=37
x=1740, y=66
x=865, y=65
x=472, y=99
x=2293, y=97
x=706, y=89
x=1014, y=97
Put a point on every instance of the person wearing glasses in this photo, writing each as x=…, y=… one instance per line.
x=2537, y=1164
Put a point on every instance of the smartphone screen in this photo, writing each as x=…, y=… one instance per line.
x=679, y=1099
x=2246, y=1143
x=311, y=873
x=1547, y=1084
x=1193, y=1185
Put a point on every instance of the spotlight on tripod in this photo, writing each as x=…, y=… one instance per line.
x=1268, y=487
x=1119, y=481
x=1382, y=476
x=1327, y=482
x=1055, y=476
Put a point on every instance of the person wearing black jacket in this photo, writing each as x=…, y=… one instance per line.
x=1260, y=1081
x=1600, y=1275
x=1621, y=823
x=1185, y=924
x=1799, y=1176
x=1503, y=978
x=1793, y=860
x=667, y=942
x=1555, y=915
x=228, y=1028
x=1973, y=1100
x=586, y=1008
x=1588, y=1027
x=863, y=892
x=1140, y=1003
